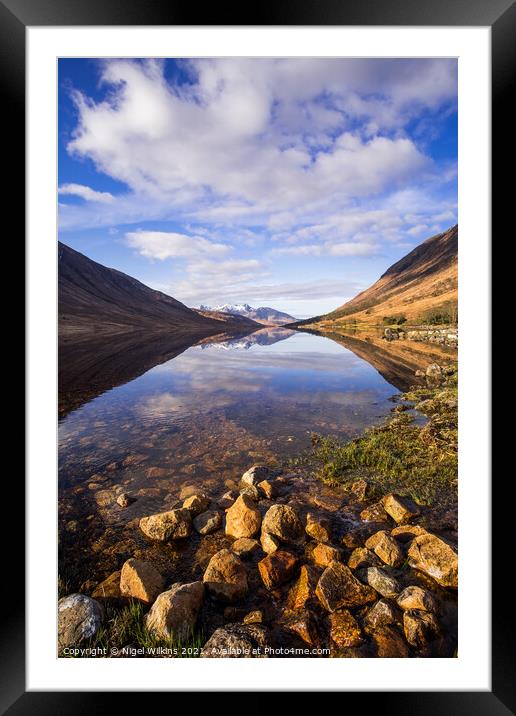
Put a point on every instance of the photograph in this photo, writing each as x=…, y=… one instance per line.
x=257, y=409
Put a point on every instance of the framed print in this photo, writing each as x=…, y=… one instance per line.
x=255, y=430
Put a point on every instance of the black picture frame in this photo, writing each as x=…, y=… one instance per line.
x=500, y=16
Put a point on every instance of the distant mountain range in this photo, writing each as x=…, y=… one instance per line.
x=94, y=299
x=419, y=288
x=264, y=314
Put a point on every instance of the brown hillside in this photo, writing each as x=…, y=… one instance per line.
x=423, y=281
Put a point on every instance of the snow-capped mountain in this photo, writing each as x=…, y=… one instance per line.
x=263, y=314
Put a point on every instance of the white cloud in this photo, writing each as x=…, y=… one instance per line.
x=86, y=193
x=165, y=245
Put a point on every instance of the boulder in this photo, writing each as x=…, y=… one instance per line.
x=245, y=547
x=363, y=557
x=401, y=509
x=237, y=641
x=303, y=592
x=196, y=504
x=379, y=580
x=164, y=526
x=431, y=555
x=257, y=474
x=420, y=627
x=387, y=548
x=282, y=522
x=337, y=587
x=374, y=513
x=344, y=629
x=140, y=580
x=109, y=588
x=226, y=577
x=78, y=618
x=268, y=488
x=124, y=500
x=415, y=597
x=207, y=522
x=277, y=568
x=390, y=644
x=174, y=613
x=323, y=554
x=304, y=625
x=319, y=528
x=380, y=614
x=243, y=519
x=269, y=543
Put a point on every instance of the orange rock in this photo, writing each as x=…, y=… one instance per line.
x=277, y=568
x=243, y=519
x=323, y=554
x=344, y=629
x=140, y=580
x=337, y=587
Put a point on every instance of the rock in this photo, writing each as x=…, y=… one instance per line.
x=387, y=548
x=250, y=491
x=380, y=614
x=109, y=588
x=337, y=587
x=174, y=613
x=344, y=629
x=302, y=624
x=356, y=537
x=380, y=581
x=374, y=513
x=282, y=522
x=124, y=500
x=237, y=641
x=405, y=533
x=152, y=472
x=328, y=501
x=323, y=554
x=103, y=498
x=227, y=499
x=175, y=524
x=254, y=617
x=268, y=488
x=434, y=371
x=140, y=580
x=78, y=618
x=358, y=491
x=419, y=373
x=207, y=522
x=245, y=547
x=390, y=644
x=401, y=509
x=277, y=568
x=243, y=519
x=303, y=591
x=318, y=528
x=196, y=504
x=363, y=557
x=429, y=554
x=420, y=627
x=226, y=577
x=269, y=543
x=188, y=491
x=415, y=597
x=257, y=474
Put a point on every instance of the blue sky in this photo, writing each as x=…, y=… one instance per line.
x=292, y=183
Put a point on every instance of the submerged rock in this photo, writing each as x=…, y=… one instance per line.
x=337, y=587
x=78, y=618
x=175, y=524
x=243, y=519
x=237, y=641
x=174, y=613
x=434, y=557
x=226, y=577
x=140, y=580
x=282, y=522
x=124, y=500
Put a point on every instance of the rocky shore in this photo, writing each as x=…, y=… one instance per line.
x=448, y=336
x=344, y=572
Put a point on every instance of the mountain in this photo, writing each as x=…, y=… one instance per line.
x=419, y=288
x=264, y=314
x=94, y=299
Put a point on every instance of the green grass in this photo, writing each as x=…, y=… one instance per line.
x=401, y=456
x=126, y=628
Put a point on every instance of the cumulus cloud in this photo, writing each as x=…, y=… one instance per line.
x=86, y=193
x=163, y=245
